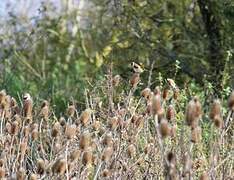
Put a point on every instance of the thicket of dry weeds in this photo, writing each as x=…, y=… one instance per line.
x=124, y=137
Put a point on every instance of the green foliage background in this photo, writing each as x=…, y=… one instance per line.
x=52, y=56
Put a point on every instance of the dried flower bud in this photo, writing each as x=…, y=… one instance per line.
x=35, y=134
x=146, y=93
x=131, y=150
x=170, y=115
x=15, y=128
x=20, y=175
x=62, y=121
x=157, y=91
x=44, y=110
x=70, y=131
x=176, y=93
x=85, y=140
x=27, y=106
x=59, y=167
x=75, y=155
x=215, y=109
x=116, y=80
x=156, y=104
x=56, y=129
x=231, y=101
x=135, y=79
x=108, y=140
x=2, y=172
x=107, y=153
x=71, y=110
x=8, y=127
x=113, y=123
x=196, y=135
x=85, y=117
x=218, y=121
x=41, y=166
x=165, y=93
x=204, y=176
x=87, y=158
x=164, y=128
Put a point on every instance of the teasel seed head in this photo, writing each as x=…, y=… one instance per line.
x=62, y=121
x=87, y=158
x=176, y=93
x=108, y=140
x=215, y=109
x=106, y=173
x=173, y=131
x=218, y=122
x=27, y=106
x=35, y=134
x=55, y=129
x=2, y=96
x=165, y=93
x=231, y=101
x=33, y=176
x=75, y=155
x=156, y=104
x=8, y=127
x=107, y=153
x=20, y=175
x=70, y=131
x=44, y=113
x=113, y=122
x=196, y=135
x=170, y=115
x=187, y=165
x=85, y=140
x=41, y=167
x=204, y=176
x=131, y=150
x=15, y=128
x=146, y=93
x=26, y=131
x=135, y=79
x=71, y=110
x=59, y=167
x=85, y=117
x=164, y=128
x=116, y=80
x=2, y=172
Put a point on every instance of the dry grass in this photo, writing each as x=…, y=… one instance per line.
x=124, y=137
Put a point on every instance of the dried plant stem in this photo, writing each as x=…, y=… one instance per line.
x=97, y=171
x=66, y=154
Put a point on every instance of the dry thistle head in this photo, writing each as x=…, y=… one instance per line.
x=75, y=155
x=165, y=93
x=193, y=112
x=70, y=131
x=33, y=176
x=231, y=101
x=56, y=129
x=131, y=150
x=59, y=167
x=2, y=172
x=204, y=176
x=27, y=106
x=71, y=110
x=156, y=104
x=176, y=93
x=135, y=79
x=85, y=117
x=116, y=80
x=85, y=140
x=20, y=175
x=41, y=167
x=164, y=128
x=26, y=131
x=15, y=128
x=218, y=122
x=107, y=153
x=62, y=121
x=106, y=173
x=196, y=135
x=44, y=113
x=215, y=109
x=108, y=140
x=187, y=164
x=35, y=134
x=113, y=122
x=146, y=93
x=2, y=96
x=87, y=158
x=170, y=115
x=96, y=125
x=8, y=127
x=157, y=91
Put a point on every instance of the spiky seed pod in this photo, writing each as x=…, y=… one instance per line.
x=41, y=167
x=56, y=129
x=135, y=79
x=20, y=175
x=170, y=115
x=70, y=131
x=27, y=106
x=193, y=112
x=113, y=122
x=87, y=158
x=164, y=128
x=157, y=91
x=218, y=122
x=15, y=128
x=106, y=173
x=14, y=107
x=146, y=93
x=215, y=109
x=116, y=80
x=2, y=96
x=139, y=122
x=35, y=134
x=107, y=153
x=2, y=172
x=176, y=93
x=204, y=176
x=26, y=131
x=85, y=117
x=62, y=121
x=71, y=110
x=196, y=135
x=161, y=114
x=231, y=101
x=44, y=113
x=148, y=148
x=131, y=150
x=59, y=167
x=75, y=155
x=85, y=140
x=156, y=104
x=33, y=177
x=108, y=140
x=149, y=108
x=8, y=127
x=96, y=125
x=165, y=93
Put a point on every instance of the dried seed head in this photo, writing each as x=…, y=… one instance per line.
x=33, y=177
x=59, y=167
x=218, y=121
x=113, y=123
x=164, y=128
x=2, y=172
x=131, y=150
x=173, y=131
x=176, y=93
x=62, y=121
x=148, y=148
x=71, y=110
x=85, y=117
x=20, y=175
x=107, y=153
x=215, y=109
x=41, y=166
x=15, y=128
x=87, y=158
x=231, y=101
x=170, y=115
x=85, y=140
x=146, y=93
x=27, y=106
x=116, y=80
x=44, y=113
x=196, y=135
x=23, y=146
x=96, y=125
x=108, y=140
x=204, y=176
x=135, y=79
x=56, y=129
x=75, y=155
x=70, y=131
x=187, y=165
x=160, y=114
x=106, y=173
x=8, y=127
x=35, y=134
x=171, y=158
x=157, y=91
x=165, y=93
x=193, y=112
x=26, y=131
x=156, y=104
x=2, y=96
